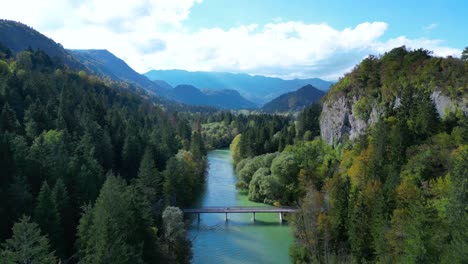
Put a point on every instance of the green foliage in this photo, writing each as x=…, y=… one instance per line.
x=174, y=233
x=263, y=187
x=114, y=229
x=63, y=206
x=8, y=121
x=235, y=148
x=27, y=245
x=149, y=182
x=4, y=69
x=48, y=218
x=362, y=108
x=464, y=55
x=68, y=131
x=396, y=194
x=388, y=76
x=308, y=122
x=457, y=212
x=197, y=148
x=251, y=166
x=183, y=178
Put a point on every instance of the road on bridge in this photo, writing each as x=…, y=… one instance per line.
x=241, y=209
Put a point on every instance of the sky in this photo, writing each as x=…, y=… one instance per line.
x=287, y=39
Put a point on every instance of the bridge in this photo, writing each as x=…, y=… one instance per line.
x=241, y=209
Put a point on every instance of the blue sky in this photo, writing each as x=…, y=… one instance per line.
x=449, y=19
x=287, y=39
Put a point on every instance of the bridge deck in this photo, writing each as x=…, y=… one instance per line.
x=241, y=209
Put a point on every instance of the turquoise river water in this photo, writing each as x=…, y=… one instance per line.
x=239, y=240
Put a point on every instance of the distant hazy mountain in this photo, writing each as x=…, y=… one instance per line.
x=294, y=101
x=104, y=63
x=258, y=89
x=228, y=99
x=18, y=37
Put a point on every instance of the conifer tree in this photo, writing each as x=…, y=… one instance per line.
x=149, y=181
x=47, y=217
x=8, y=121
x=63, y=207
x=27, y=245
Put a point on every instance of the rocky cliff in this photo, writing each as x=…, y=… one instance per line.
x=340, y=120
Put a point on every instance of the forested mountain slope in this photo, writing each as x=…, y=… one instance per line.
x=106, y=64
x=294, y=101
x=91, y=168
x=18, y=37
x=395, y=193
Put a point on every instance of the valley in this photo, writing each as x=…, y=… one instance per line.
x=100, y=163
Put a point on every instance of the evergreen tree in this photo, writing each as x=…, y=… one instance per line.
x=149, y=181
x=196, y=145
x=20, y=198
x=464, y=56
x=109, y=233
x=47, y=217
x=457, y=211
x=63, y=207
x=131, y=155
x=27, y=245
x=8, y=121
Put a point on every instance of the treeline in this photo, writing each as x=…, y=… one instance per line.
x=87, y=168
x=263, y=133
x=265, y=167
x=219, y=130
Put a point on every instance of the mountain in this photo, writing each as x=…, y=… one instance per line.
x=258, y=89
x=294, y=101
x=227, y=99
x=18, y=37
x=106, y=64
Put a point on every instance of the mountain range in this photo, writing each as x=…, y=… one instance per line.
x=214, y=89
x=225, y=99
x=104, y=63
x=258, y=89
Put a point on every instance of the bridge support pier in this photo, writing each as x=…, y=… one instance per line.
x=253, y=216
x=281, y=217
x=198, y=217
x=225, y=217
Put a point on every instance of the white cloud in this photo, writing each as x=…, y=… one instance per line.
x=150, y=34
x=431, y=27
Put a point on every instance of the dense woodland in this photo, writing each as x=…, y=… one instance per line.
x=93, y=171
x=90, y=170
x=397, y=194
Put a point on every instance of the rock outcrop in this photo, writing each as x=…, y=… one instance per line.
x=339, y=119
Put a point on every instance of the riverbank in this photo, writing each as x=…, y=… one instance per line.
x=239, y=240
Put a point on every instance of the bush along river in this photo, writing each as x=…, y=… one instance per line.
x=240, y=239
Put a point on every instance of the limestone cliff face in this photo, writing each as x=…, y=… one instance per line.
x=340, y=120
x=444, y=104
x=334, y=121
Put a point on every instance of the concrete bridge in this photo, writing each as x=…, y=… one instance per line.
x=241, y=209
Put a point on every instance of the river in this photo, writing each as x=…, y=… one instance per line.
x=239, y=240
